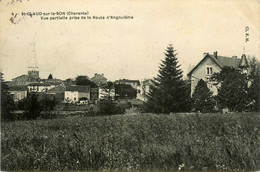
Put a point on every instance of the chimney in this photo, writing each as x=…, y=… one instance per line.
x=102, y=74
x=95, y=74
x=215, y=54
x=205, y=53
x=234, y=57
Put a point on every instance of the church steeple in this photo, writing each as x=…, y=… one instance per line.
x=33, y=70
x=243, y=65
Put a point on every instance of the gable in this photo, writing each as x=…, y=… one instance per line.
x=207, y=58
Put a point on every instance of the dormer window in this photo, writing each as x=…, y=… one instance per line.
x=209, y=70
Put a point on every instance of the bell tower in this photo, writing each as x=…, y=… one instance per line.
x=33, y=69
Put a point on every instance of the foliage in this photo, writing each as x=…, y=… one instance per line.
x=169, y=92
x=233, y=92
x=84, y=80
x=109, y=107
x=32, y=108
x=125, y=91
x=47, y=105
x=254, y=88
x=202, y=98
x=144, y=142
x=50, y=76
x=7, y=103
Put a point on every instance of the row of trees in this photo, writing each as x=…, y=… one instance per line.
x=237, y=91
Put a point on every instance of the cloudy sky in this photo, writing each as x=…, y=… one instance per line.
x=130, y=48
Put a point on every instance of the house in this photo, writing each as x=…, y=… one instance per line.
x=39, y=87
x=145, y=89
x=104, y=93
x=24, y=80
x=99, y=79
x=77, y=93
x=133, y=83
x=18, y=92
x=58, y=92
x=213, y=64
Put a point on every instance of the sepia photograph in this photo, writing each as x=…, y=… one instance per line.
x=130, y=85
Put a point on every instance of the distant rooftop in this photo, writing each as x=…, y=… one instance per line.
x=79, y=88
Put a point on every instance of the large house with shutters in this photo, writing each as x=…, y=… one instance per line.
x=212, y=63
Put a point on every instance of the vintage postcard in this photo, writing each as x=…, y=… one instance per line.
x=132, y=85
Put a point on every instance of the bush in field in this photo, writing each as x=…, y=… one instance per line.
x=202, y=98
x=7, y=103
x=169, y=92
x=109, y=107
x=188, y=142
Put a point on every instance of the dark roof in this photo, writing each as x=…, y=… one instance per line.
x=221, y=61
x=228, y=61
x=127, y=81
x=79, y=88
x=18, y=88
x=39, y=84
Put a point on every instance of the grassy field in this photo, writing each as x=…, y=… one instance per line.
x=133, y=142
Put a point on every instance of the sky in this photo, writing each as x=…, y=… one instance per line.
x=127, y=48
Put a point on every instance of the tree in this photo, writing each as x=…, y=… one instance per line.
x=32, y=107
x=202, y=98
x=169, y=91
x=84, y=80
x=233, y=91
x=50, y=76
x=254, y=88
x=125, y=91
x=7, y=103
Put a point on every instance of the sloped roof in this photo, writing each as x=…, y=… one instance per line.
x=221, y=61
x=98, y=78
x=57, y=89
x=21, y=78
x=127, y=81
x=228, y=61
x=18, y=88
x=79, y=88
x=39, y=84
x=24, y=78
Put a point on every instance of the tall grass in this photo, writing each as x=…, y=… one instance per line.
x=133, y=142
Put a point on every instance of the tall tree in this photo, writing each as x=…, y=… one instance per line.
x=233, y=91
x=7, y=103
x=169, y=92
x=50, y=76
x=202, y=98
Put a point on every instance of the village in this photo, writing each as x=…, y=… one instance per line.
x=83, y=92
x=81, y=95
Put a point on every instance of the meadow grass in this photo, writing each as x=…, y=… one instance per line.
x=133, y=142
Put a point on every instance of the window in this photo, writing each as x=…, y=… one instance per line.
x=209, y=70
